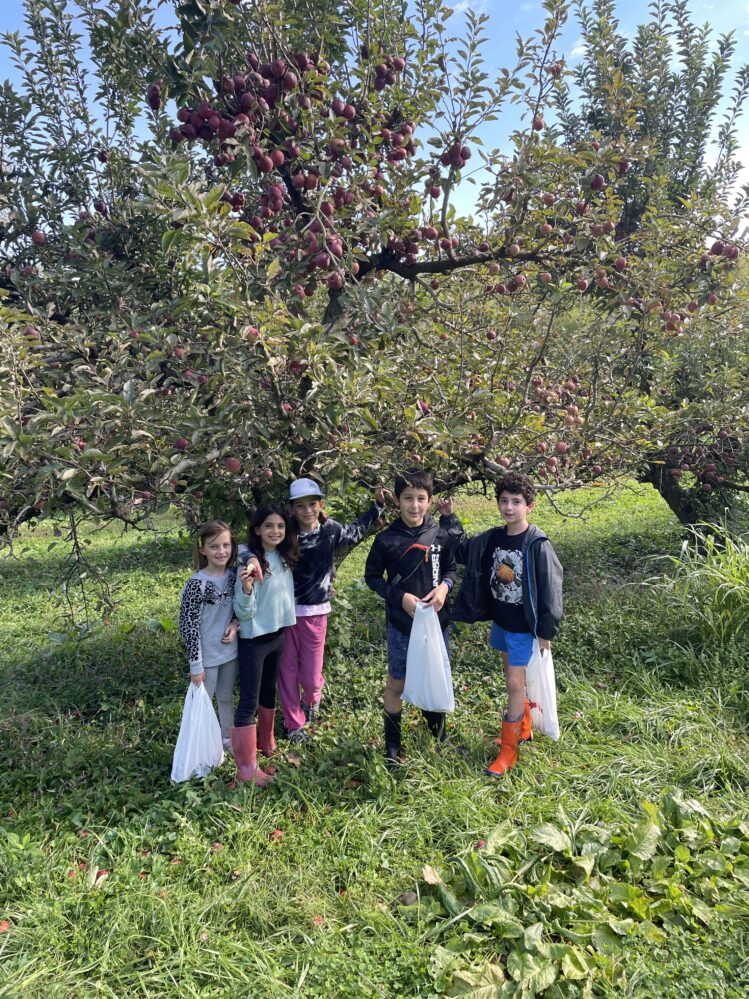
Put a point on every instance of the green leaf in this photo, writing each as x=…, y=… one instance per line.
x=644, y=840
x=532, y=936
x=449, y=900
x=551, y=836
x=486, y=983
x=532, y=973
x=489, y=914
x=576, y=964
x=606, y=940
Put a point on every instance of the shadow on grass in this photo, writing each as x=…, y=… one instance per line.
x=23, y=575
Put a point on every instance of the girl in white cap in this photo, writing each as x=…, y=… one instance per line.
x=320, y=538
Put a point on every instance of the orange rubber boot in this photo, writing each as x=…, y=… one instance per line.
x=508, y=753
x=526, y=732
x=266, y=741
x=244, y=747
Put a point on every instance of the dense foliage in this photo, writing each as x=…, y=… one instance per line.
x=232, y=254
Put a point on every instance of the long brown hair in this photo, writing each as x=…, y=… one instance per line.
x=289, y=547
x=207, y=531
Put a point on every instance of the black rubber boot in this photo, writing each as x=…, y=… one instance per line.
x=436, y=724
x=392, y=738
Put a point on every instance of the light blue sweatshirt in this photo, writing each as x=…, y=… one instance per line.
x=270, y=604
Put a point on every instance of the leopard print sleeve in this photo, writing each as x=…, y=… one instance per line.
x=189, y=623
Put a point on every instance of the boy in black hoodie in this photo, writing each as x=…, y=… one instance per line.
x=409, y=562
x=513, y=578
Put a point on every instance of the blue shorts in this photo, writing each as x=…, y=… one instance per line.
x=517, y=644
x=398, y=651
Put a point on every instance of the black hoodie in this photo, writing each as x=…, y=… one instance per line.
x=414, y=560
x=542, y=578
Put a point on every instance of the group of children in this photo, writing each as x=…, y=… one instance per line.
x=266, y=620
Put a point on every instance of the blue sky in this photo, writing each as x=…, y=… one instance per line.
x=508, y=18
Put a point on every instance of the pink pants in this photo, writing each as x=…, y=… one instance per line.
x=301, y=667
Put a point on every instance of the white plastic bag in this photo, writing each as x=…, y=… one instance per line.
x=199, y=747
x=429, y=683
x=541, y=688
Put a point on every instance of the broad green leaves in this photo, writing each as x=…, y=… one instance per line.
x=531, y=916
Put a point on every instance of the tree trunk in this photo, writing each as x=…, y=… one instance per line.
x=683, y=504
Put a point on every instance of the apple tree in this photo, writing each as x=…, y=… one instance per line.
x=231, y=254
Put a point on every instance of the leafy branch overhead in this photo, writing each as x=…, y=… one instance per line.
x=234, y=251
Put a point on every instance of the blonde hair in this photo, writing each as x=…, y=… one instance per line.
x=207, y=531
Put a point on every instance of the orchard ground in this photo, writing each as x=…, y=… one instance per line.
x=114, y=883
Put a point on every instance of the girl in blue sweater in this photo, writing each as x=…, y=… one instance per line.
x=264, y=611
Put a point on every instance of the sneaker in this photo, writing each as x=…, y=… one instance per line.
x=311, y=712
x=298, y=736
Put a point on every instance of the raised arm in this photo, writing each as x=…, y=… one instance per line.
x=352, y=534
x=244, y=594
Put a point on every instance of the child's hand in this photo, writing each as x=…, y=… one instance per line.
x=544, y=644
x=246, y=576
x=197, y=678
x=258, y=568
x=231, y=633
x=444, y=507
x=382, y=496
x=409, y=603
x=436, y=598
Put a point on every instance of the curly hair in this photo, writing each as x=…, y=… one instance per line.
x=517, y=483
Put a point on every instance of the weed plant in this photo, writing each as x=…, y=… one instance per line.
x=340, y=880
x=708, y=584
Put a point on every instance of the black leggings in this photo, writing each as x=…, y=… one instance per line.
x=258, y=667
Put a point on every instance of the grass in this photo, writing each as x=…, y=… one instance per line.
x=198, y=898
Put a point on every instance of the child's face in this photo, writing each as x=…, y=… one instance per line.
x=271, y=532
x=306, y=510
x=216, y=551
x=514, y=509
x=413, y=504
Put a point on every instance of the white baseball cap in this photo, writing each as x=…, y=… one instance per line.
x=304, y=487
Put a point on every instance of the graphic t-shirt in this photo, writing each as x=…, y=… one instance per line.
x=503, y=569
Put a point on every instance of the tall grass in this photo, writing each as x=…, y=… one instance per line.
x=707, y=586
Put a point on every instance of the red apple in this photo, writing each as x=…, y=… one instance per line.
x=233, y=464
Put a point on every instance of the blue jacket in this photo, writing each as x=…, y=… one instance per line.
x=542, y=579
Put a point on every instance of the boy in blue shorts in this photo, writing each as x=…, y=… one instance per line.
x=513, y=578
x=409, y=562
